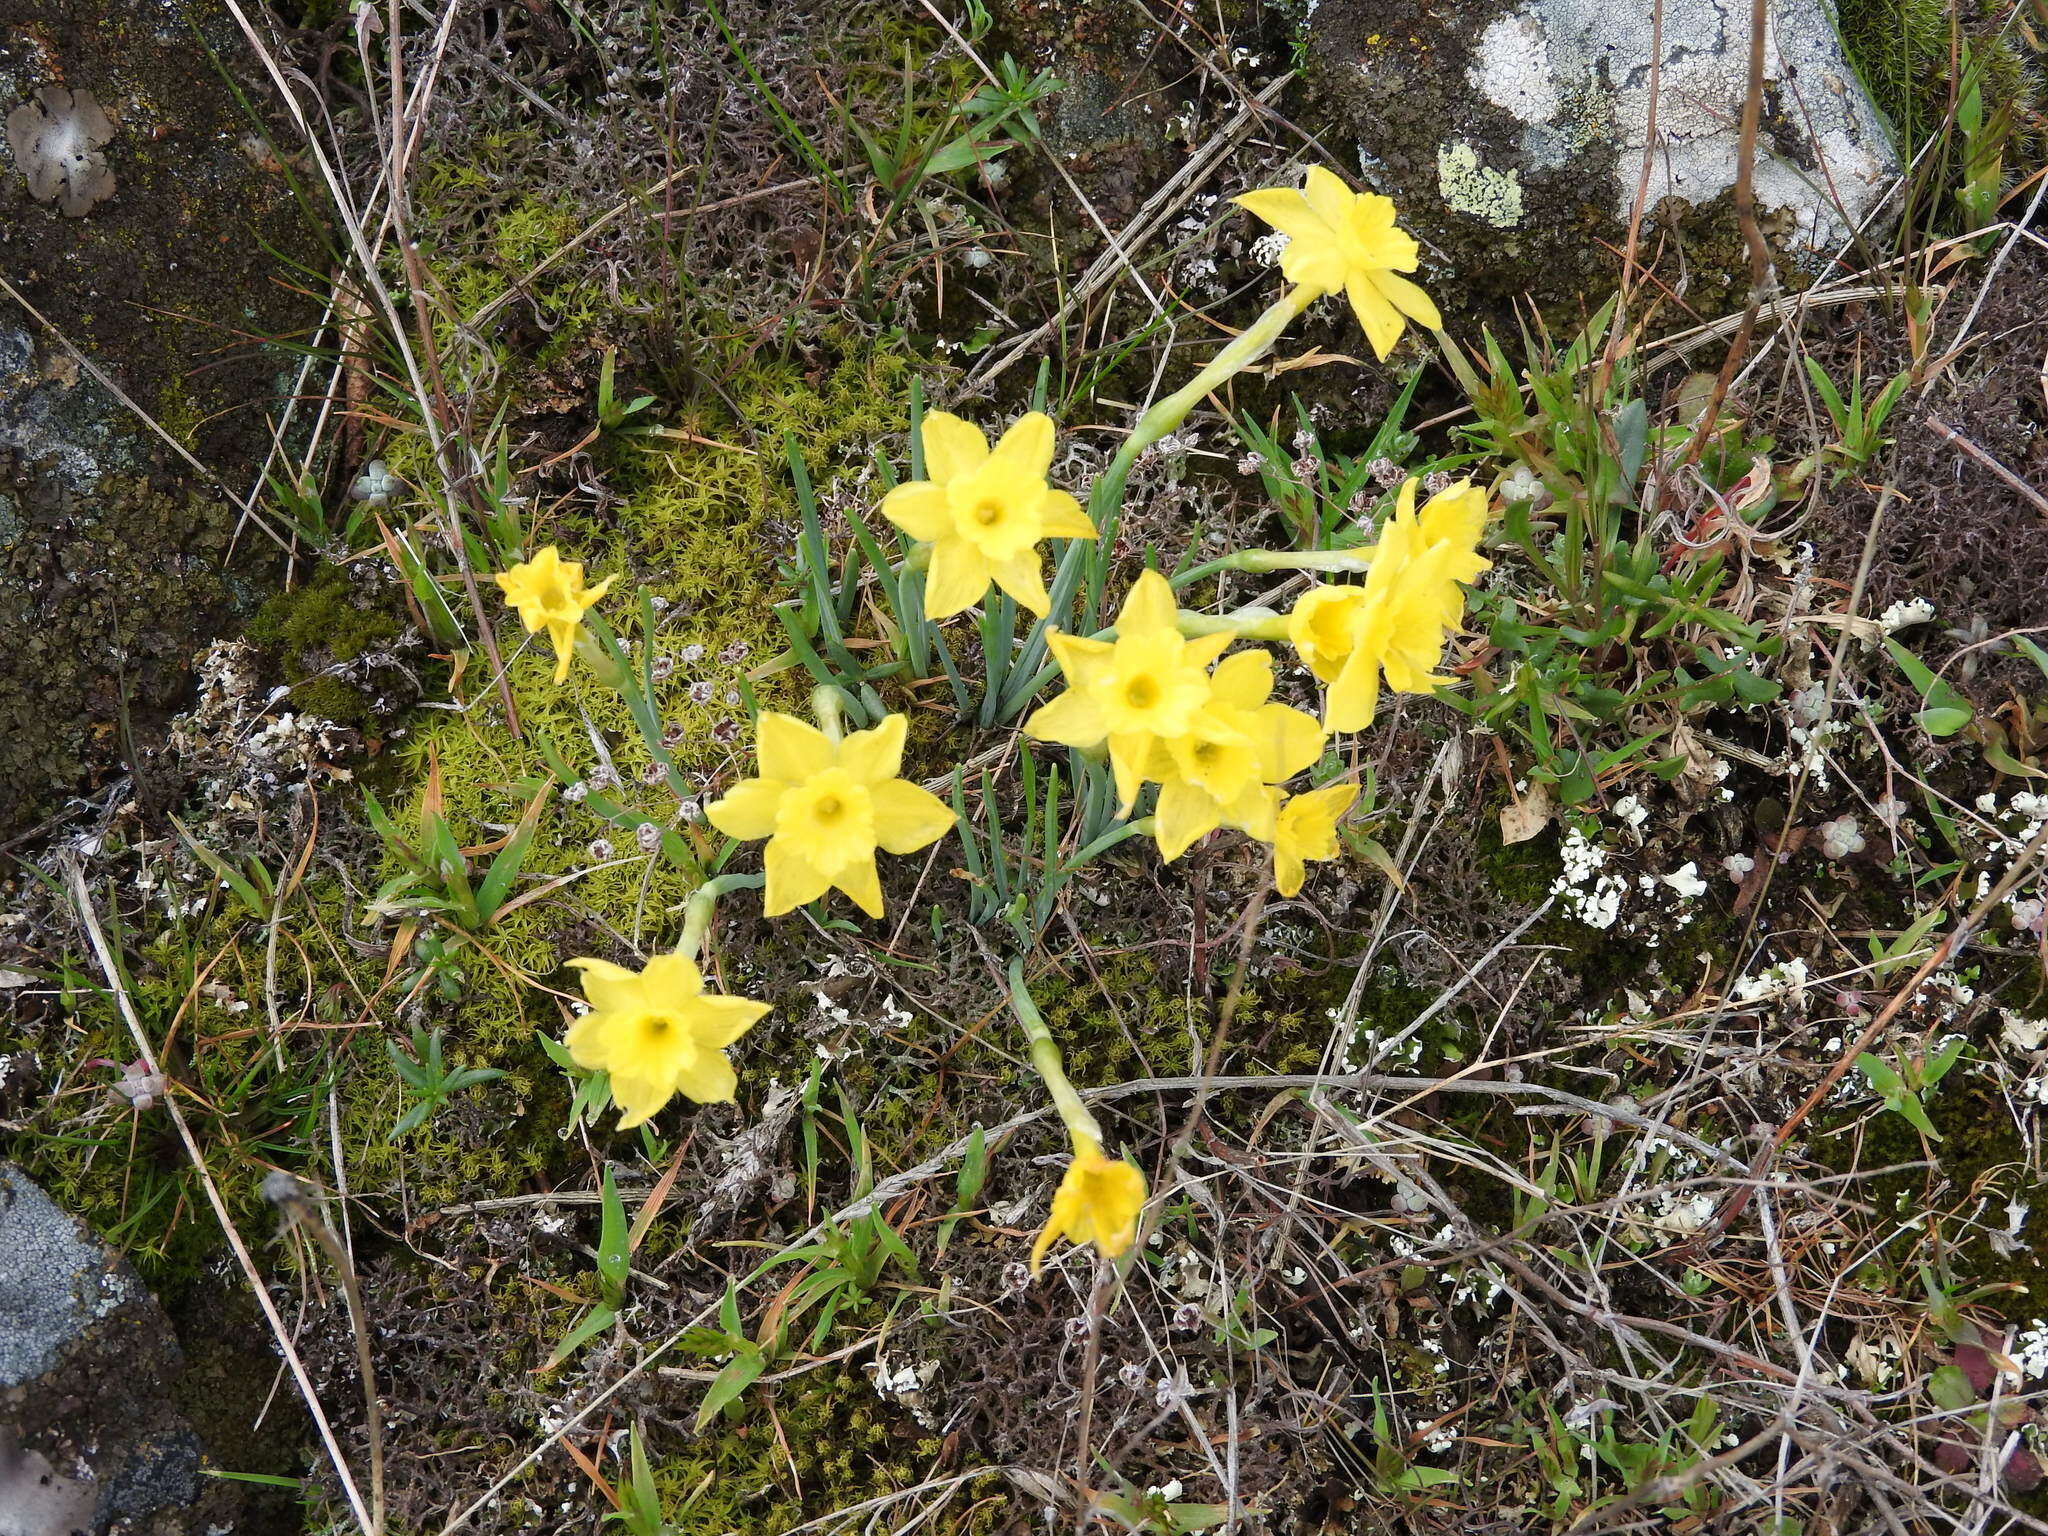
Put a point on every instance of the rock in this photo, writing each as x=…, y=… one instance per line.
x=138, y=220
x=1511, y=134
x=90, y=1438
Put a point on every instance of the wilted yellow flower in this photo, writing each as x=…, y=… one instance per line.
x=1344, y=241
x=658, y=1033
x=1221, y=773
x=549, y=593
x=1306, y=828
x=826, y=807
x=1143, y=687
x=984, y=512
x=1397, y=620
x=1098, y=1202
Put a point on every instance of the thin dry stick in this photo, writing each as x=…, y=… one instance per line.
x=1752, y=235
x=88, y=918
x=1943, y=953
x=295, y=1203
x=1950, y=435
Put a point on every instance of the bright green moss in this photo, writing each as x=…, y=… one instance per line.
x=317, y=625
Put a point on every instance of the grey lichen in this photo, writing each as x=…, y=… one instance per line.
x=56, y=140
x=1470, y=187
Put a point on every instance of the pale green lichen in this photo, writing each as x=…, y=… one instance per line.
x=1470, y=187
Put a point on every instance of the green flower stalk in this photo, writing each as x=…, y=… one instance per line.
x=1099, y=1198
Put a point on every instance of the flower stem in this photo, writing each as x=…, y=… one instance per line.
x=825, y=706
x=1256, y=560
x=1106, y=501
x=602, y=660
x=1045, y=1061
x=1250, y=344
x=703, y=901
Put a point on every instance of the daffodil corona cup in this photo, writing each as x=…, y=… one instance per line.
x=827, y=803
x=1099, y=1199
x=549, y=594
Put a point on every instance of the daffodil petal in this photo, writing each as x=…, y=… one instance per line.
x=1288, y=871
x=919, y=508
x=586, y=1040
x=1204, y=649
x=1253, y=812
x=1062, y=517
x=1149, y=607
x=562, y=634
x=610, y=988
x=1185, y=815
x=875, y=755
x=1080, y=658
x=1381, y=322
x=1454, y=515
x=791, y=750
x=1409, y=299
x=1325, y=193
x=1286, y=210
x=792, y=879
x=1022, y=578
x=952, y=447
x=1287, y=741
x=1027, y=446
x=638, y=1098
x=707, y=1078
x=747, y=810
x=908, y=816
x=1128, y=753
x=1047, y=1236
x=1073, y=720
x=1243, y=681
x=671, y=983
x=1354, y=697
x=861, y=881
x=956, y=580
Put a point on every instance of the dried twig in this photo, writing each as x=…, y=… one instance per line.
x=88, y=918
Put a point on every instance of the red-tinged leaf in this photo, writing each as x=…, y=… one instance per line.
x=1976, y=1364
x=2023, y=1471
x=1952, y=1456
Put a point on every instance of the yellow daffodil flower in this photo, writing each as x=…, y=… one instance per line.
x=1340, y=241
x=984, y=511
x=825, y=807
x=1098, y=1202
x=1306, y=828
x=1206, y=782
x=549, y=593
x=1324, y=628
x=1132, y=692
x=658, y=1033
x=1397, y=620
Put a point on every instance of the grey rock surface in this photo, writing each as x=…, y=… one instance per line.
x=56, y=1284
x=142, y=217
x=91, y=1437
x=1574, y=71
x=1513, y=136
